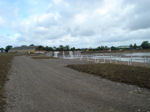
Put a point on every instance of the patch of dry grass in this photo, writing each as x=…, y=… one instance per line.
x=139, y=76
x=5, y=64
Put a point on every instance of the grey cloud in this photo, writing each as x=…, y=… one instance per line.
x=96, y=27
x=140, y=22
x=139, y=17
x=82, y=32
x=89, y=20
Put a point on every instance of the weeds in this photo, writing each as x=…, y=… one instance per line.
x=5, y=63
x=139, y=76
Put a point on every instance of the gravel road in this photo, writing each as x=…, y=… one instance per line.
x=49, y=86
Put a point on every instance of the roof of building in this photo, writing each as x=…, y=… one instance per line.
x=24, y=48
x=125, y=46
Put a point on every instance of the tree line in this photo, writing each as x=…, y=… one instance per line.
x=144, y=45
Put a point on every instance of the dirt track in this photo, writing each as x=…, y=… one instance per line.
x=48, y=86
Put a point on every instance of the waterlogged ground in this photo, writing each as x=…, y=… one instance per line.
x=139, y=57
x=138, y=54
x=46, y=85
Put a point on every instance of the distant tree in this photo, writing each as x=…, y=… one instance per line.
x=106, y=48
x=131, y=46
x=90, y=49
x=145, y=45
x=51, y=49
x=54, y=48
x=78, y=49
x=48, y=48
x=2, y=49
x=94, y=49
x=135, y=46
x=102, y=48
x=24, y=46
x=40, y=47
x=60, y=48
x=114, y=48
x=8, y=48
x=32, y=45
x=73, y=49
x=66, y=48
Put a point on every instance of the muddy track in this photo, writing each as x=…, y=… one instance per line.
x=49, y=86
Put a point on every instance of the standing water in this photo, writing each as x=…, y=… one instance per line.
x=56, y=54
x=71, y=54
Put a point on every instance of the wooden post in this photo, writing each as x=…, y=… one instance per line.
x=110, y=59
x=81, y=57
x=87, y=58
x=144, y=59
x=95, y=58
x=131, y=61
x=104, y=60
x=120, y=60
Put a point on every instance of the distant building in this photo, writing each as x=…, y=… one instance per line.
x=40, y=52
x=124, y=47
x=2, y=50
x=24, y=49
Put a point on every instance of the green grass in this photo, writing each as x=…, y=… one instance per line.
x=5, y=64
x=139, y=76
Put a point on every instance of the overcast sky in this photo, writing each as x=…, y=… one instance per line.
x=79, y=23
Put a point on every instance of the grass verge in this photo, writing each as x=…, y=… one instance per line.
x=5, y=64
x=139, y=76
x=42, y=57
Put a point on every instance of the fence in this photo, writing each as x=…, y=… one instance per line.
x=129, y=60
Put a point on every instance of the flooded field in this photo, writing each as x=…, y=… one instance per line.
x=123, y=57
x=138, y=54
